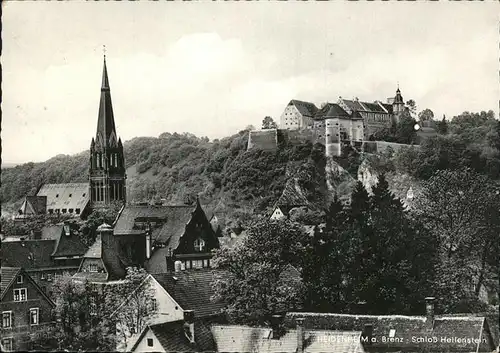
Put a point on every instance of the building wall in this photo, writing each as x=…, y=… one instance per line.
x=263, y=139
x=143, y=344
x=291, y=118
x=20, y=314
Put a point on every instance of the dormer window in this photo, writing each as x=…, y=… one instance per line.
x=199, y=245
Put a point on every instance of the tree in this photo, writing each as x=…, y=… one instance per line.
x=456, y=206
x=81, y=325
x=88, y=227
x=256, y=287
x=442, y=126
x=405, y=130
x=137, y=304
x=412, y=107
x=84, y=313
x=426, y=115
x=268, y=123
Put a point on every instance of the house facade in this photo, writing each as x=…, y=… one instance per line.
x=25, y=308
x=164, y=234
x=298, y=115
x=57, y=252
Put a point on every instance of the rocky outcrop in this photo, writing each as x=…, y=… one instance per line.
x=402, y=185
x=338, y=181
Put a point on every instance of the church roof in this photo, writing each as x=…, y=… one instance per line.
x=106, y=131
x=65, y=196
x=305, y=108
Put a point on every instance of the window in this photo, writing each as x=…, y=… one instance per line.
x=7, y=343
x=49, y=277
x=83, y=195
x=57, y=195
x=20, y=279
x=78, y=210
x=63, y=210
x=42, y=275
x=7, y=319
x=92, y=268
x=34, y=316
x=51, y=210
x=199, y=245
x=392, y=333
x=150, y=342
x=70, y=210
x=20, y=295
x=70, y=195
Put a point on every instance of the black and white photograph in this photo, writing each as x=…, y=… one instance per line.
x=250, y=176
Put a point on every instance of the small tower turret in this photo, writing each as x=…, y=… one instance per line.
x=398, y=106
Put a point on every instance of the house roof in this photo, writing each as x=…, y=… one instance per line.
x=65, y=196
x=8, y=275
x=193, y=289
x=366, y=107
x=232, y=338
x=68, y=243
x=172, y=220
x=172, y=338
x=28, y=254
x=331, y=110
x=405, y=327
x=305, y=108
x=34, y=205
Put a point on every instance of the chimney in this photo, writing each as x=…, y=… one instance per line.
x=300, y=334
x=429, y=311
x=275, y=326
x=189, y=325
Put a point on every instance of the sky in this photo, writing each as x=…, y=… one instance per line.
x=212, y=69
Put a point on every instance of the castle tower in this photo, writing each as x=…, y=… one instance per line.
x=398, y=106
x=107, y=164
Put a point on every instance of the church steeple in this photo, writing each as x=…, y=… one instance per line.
x=107, y=163
x=106, y=131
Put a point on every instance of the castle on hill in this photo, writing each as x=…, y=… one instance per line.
x=346, y=122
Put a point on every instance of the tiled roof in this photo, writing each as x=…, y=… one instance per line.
x=373, y=107
x=388, y=107
x=65, y=196
x=354, y=105
x=331, y=110
x=259, y=339
x=172, y=338
x=305, y=108
x=8, y=275
x=405, y=327
x=34, y=205
x=192, y=289
x=68, y=243
x=28, y=254
x=173, y=219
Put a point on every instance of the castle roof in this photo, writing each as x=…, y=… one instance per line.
x=305, y=108
x=331, y=110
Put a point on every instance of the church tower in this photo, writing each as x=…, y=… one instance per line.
x=398, y=105
x=107, y=164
